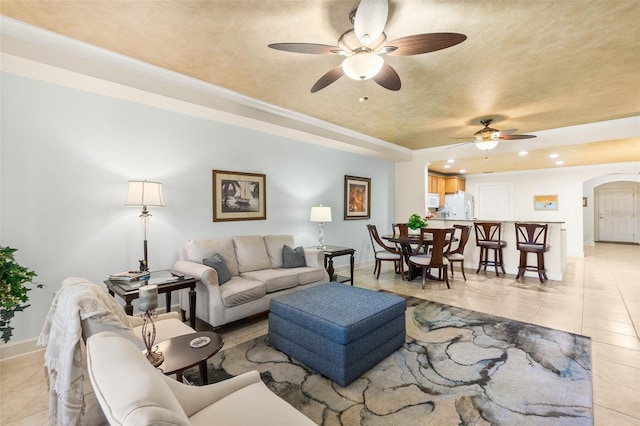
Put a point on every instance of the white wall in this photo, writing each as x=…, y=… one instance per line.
x=567, y=182
x=66, y=157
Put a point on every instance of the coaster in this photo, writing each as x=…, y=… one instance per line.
x=199, y=342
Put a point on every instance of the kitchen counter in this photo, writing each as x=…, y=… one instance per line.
x=555, y=259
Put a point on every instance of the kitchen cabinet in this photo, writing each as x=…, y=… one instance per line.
x=454, y=184
x=437, y=185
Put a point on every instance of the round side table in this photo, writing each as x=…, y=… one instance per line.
x=179, y=355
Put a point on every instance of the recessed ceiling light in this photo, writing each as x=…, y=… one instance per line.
x=554, y=155
x=363, y=99
x=559, y=163
x=451, y=161
x=523, y=153
x=446, y=166
x=463, y=171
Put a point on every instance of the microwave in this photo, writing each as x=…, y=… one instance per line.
x=433, y=201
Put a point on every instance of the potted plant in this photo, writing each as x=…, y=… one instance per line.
x=416, y=222
x=14, y=280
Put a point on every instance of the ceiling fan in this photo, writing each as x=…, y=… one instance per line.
x=487, y=138
x=366, y=42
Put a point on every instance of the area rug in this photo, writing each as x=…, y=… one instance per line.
x=456, y=367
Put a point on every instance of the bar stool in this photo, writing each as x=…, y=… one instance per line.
x=532, y=238
x=488, y=237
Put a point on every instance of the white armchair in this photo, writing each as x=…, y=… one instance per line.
x=79, y=310
x=132, y=392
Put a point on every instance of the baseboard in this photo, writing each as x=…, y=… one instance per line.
x=21, y=347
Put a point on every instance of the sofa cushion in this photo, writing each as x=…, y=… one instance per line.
x=274, y=244
x=293, y=257
x=241, y=290
x=308, y=275
x=275, y=279
x=196, y=250
x=251, y=253
x=217, y=262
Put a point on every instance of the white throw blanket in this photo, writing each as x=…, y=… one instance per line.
x=77, y=300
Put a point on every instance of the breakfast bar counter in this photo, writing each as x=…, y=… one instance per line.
x=555, y=258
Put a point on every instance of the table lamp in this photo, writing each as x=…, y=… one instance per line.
x=321, y=214
x=144, y=194
x=148, y=304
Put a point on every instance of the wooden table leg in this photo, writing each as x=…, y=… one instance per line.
x=204, y=375
x=192, y=307
x=352, y=261
x=167, y=297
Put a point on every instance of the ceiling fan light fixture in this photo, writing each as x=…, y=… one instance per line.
x=487, y=145
x=362, y=66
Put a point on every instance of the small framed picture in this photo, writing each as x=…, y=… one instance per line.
x=357, y=197
x=545, y=202
x=239, y=196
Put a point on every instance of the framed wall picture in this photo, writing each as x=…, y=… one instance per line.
x=545, y=202
x=239, y=196
x=357, y=197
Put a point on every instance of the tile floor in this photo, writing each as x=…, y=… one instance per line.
x=599, y=297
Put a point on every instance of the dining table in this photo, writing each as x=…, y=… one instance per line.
x=407, y=242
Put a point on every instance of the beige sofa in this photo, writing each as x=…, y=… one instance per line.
x=255, y=264
x=132, y=392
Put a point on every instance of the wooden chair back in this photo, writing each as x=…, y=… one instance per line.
x=438, y=240
x=465, y=231
x=376, y=241
x=488, y=231
x=400, y=229
x=531, y=236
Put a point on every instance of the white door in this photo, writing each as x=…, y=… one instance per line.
x=616, y=214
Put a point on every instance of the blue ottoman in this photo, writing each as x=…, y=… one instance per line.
x=338, y=330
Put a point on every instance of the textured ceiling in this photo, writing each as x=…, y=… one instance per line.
x=531, y=65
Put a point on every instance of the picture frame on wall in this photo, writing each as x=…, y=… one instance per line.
x=357, y=197
x=239, y=196
x=545, y=202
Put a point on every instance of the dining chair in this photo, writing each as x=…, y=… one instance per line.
x=532, y=238
x=400, y=228
x=457, y=254
x=439, y=240
x=384, y=252
x=489, y=237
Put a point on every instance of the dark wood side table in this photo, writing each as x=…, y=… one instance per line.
x=166, y=282
x=334, y=251
x=179, y=355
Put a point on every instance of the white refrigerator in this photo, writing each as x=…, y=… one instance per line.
x=459, y=205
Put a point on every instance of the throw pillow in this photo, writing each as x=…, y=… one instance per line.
x=293, y=258
x=217, y=262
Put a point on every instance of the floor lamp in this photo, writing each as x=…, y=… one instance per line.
x=144, y=194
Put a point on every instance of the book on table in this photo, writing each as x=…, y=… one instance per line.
x=128, y=275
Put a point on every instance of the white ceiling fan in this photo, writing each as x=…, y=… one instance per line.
x=366, y=42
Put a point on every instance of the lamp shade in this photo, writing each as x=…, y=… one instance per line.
x=144, y=193
x=320, y=214
x=363, y=65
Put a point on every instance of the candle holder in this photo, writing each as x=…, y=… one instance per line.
x=154, y=356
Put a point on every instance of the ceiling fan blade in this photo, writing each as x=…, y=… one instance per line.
x=388, y=78
x=312, y=48
x=370, y=19
x=328, y=78
x=424, y=43
x=507, y=132
x=513, y=137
